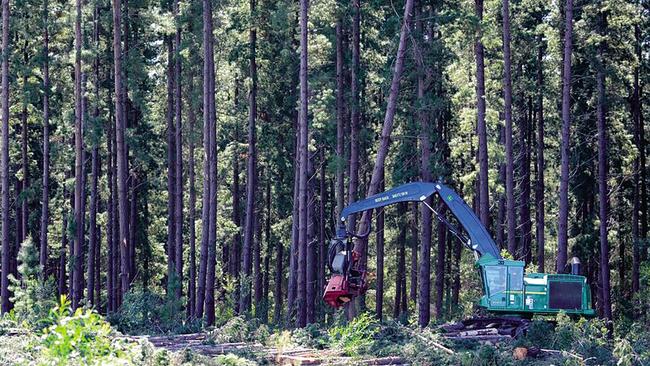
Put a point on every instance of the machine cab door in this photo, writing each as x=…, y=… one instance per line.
x=515, y=287
x=505, y=285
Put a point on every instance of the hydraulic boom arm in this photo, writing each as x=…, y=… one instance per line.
x=348, y=279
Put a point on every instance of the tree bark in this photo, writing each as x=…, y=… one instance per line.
x=322, y=245
x=303, y=152
x=277, y=292
x=264, y=303
x=256, y=276
x=484, y=200
x=120, y=126
x=501, y=213
x=507, y=93
x=354, y=111
x=524, y=209
x=424, y=299
x=45, y=200
x=415, y=236
x=541, y=165
x=400, y=277
x=603, y=172
x=93, y=243
x=311, y=260
x=387, y=127
x=639, y=166
x=64, y=245
x=563, y=219
x=93, y=247
x=209, y=117
x=178, y=145
x=235, y=248
x=292, y=286
x=77, y=289
x=191, y=287
x=340, y=124
x=171, y=167
x=24, y=183
x=380, y=241
x=251, y=169
x=110, y=225
x=4, y=161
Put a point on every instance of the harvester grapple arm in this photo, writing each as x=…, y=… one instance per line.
x=349, y=280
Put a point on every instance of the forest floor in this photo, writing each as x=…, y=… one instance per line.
x=291, y=355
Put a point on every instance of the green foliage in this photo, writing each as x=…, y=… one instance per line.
x=146, y=312
x=81, y=336
x=33, y=295
x=357, y=337
x=312, y=336
x=239, y=329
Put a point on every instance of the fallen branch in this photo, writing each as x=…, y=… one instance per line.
x=576, y=356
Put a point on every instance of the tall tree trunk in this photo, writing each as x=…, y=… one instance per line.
x=251, y=169
x=277, y=292
x=64, y=245
x=415, y=236
x=387, y=127
x=400, y=276
x=24, y=183
x=292, y=286
x=501, y=213
x=424, y=299
x=171, y=167
x=303, y=152
x=264, y=303
x=380, y=241
x=484, y=199
x=178, y=144
x=524, y=137
x=440, y=266
x=209, y=116
x=110, y=238
x=120, y=127
x=93, y=247
x=507, y=93
x=355, y=105
x=256, y=277
x=310, y=263
x=77, y=290
x=234, y=262
x=98, y=273
x=541, y=165
x=340, y=124
x=322, y=245
x=639, y=167
x=191, y=287
x=563, y=219
x=45, y=200
x=603, y=172
x=4, y=161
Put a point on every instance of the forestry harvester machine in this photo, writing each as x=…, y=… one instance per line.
x=510, y=296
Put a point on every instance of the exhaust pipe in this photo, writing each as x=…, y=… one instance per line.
x=575, y=266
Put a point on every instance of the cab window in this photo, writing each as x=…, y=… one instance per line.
x=496, y=279
x=516, y=275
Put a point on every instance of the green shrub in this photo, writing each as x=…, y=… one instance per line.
x=33, y=295
x=357, y=337
x=146, y=312
x=311, y=336
x=79, y=337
